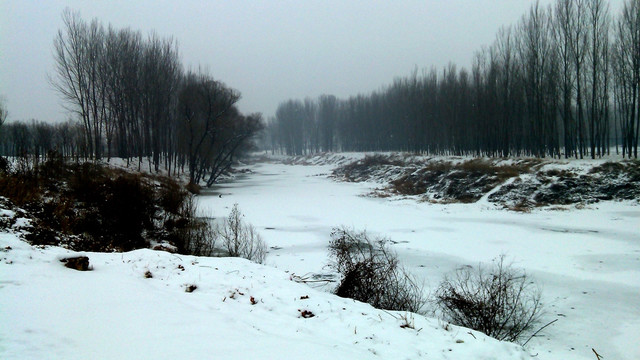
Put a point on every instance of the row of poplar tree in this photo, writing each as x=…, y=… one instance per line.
x=563, y=81
x=135, y=101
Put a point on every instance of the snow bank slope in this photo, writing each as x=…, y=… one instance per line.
x=239, y=310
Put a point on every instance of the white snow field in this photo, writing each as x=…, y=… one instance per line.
x=587, y=262
x=240, y=310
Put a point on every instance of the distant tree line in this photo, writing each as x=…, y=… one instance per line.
x=133, y=100
x=563, y=81
x=38, y=138
x=304, y=127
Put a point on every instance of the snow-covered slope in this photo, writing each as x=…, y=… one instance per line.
x=239, y=310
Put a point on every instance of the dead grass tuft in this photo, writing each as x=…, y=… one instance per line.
x=80, y=263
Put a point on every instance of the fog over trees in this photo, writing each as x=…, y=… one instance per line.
x=130, y=97
x=564, y=81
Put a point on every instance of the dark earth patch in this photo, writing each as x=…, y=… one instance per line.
x=468, y=181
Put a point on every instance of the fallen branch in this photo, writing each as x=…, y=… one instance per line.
x=597, y=355
x=534, y=334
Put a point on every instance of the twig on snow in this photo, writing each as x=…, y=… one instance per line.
x=534, y=334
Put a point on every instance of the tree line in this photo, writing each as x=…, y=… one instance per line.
x=37, y=138
x=132, y=99
x=563, y=81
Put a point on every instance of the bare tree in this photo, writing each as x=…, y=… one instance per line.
x=578, y=40
x=289, y=117
x=538, y=60
x=70, y=79
x=543, y=88
x=598, y=17
x=202, y=105
x=505, y=44
x=626, y=64
x=232, y=137
x=562, y=26
x=327, y=113
x=160, y=74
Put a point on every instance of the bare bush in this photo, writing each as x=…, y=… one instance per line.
x=371, y=273
x=193, y=235
x=170, y=195
x=92, y=207
x=240, y=239
x=499, y=300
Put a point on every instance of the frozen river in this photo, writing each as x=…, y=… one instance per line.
x=587, y=261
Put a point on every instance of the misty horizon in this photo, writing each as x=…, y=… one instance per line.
x=269, y=52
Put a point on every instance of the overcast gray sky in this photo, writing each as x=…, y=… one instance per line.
x=268, y=50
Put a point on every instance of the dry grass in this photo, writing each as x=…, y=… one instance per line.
x=501, y=172
x=92, y=207
x=356, y=169
x=522, y=206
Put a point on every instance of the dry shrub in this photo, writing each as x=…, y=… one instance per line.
x=240, y=239
x=41, y=236
x=85, y=182
x=20, y=189
x=193, y=188
x=465, y=182
x=53, y=168
x=489, y=168
x=115, y=208
x=171, y=196
x=379, y=159
x=482, y=166
x=24, y=165
x=608, y=167
x=523, y=206
x=408, y=185
x=91, y=207
x=559, y=173
x=355, y=169
x=192, y=235
x=432, y=169
x=499, y=300
x=128, y=209
x=201, y=238
x=371, y=273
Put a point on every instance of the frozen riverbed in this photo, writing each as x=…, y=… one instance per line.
x=587, y=261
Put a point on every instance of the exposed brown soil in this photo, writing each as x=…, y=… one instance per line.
x=517, y=184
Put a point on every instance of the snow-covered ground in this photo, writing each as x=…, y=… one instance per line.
x=587, y=262
x=239, y=310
